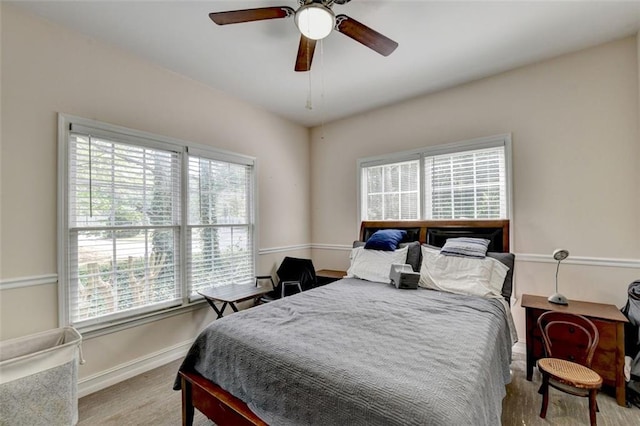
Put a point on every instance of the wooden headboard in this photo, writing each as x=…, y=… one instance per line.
x=436, y=232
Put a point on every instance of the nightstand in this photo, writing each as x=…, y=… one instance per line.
x=326, y=276
x=608, y=360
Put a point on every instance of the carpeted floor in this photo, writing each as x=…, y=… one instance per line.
x=148, y=399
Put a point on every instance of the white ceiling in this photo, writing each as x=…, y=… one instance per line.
x=441, y=44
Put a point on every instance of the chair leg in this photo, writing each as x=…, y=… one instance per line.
x=593, y=406
x=545, y=395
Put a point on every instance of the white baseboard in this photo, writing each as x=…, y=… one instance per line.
x=519, y=348
x=119, y=373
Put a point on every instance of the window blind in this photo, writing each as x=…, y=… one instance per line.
x=466, y=185
x=460, y=180
x=123, y=218
x=145, y=221
x=391, y=191
x=219, y=229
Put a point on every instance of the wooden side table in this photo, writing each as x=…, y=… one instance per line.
x=608, y=360
x=326, y=276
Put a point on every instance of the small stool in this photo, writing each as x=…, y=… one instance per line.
x=571, y=378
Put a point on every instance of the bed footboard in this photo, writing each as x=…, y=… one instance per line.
x=214, y=402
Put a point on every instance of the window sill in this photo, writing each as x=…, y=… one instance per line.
x=93, y=331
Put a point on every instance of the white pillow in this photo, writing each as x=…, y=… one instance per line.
x=498, y=274
x=462, y=275
x=374, y=265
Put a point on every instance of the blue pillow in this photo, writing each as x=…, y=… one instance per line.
x=385, y=239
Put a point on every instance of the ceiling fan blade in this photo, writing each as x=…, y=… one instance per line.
x=248, y=15
x=305, y=53
x=365, y=35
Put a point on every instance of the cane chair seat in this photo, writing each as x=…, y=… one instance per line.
x=570, y=373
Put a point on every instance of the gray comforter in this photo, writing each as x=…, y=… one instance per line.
x=360, y=353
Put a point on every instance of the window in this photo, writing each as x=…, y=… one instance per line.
x=219, y=226
x=145, y=222
x=392, y=191
x=465, y=180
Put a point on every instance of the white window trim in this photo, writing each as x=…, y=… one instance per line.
x=147, y=139
x=421, y=153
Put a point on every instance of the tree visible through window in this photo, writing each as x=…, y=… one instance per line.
x=135, y=241
x=219, y=223
x=124, y=213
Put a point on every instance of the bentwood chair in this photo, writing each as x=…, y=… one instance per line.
x=569, y=341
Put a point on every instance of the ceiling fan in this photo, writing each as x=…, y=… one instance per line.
x=315, y=20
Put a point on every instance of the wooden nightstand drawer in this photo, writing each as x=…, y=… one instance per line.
x=608, y=334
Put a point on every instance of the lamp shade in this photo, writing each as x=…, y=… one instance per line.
x=557, y=298
x=315, y=21
x=560, y=254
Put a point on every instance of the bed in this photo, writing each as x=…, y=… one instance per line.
x=359, y=352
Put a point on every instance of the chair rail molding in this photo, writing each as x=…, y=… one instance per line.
x=22, y=282
x=530, y=257
x=580, y=260
x=36, y=280
x=270, y=250
x=342, y=247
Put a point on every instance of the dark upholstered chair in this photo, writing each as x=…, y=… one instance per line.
x=569, y=342
x=293, y=272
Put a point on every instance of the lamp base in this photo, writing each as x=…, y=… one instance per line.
x=558, y=299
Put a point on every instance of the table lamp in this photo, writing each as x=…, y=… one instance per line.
x=557, y=298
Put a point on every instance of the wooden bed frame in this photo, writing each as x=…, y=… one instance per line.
x=214, y=402
x=226, y=410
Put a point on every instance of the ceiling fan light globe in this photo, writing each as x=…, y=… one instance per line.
x=315, y=21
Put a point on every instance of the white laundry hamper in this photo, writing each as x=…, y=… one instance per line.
x=39, y=378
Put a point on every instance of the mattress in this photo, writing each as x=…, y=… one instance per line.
x=362, y=353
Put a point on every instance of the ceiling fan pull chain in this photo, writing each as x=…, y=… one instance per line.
x=309, y=104
x=322, y=110
x=322, y=80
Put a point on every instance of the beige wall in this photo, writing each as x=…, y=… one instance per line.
x=47, y=69
x=576, y=150
x=574, y=118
